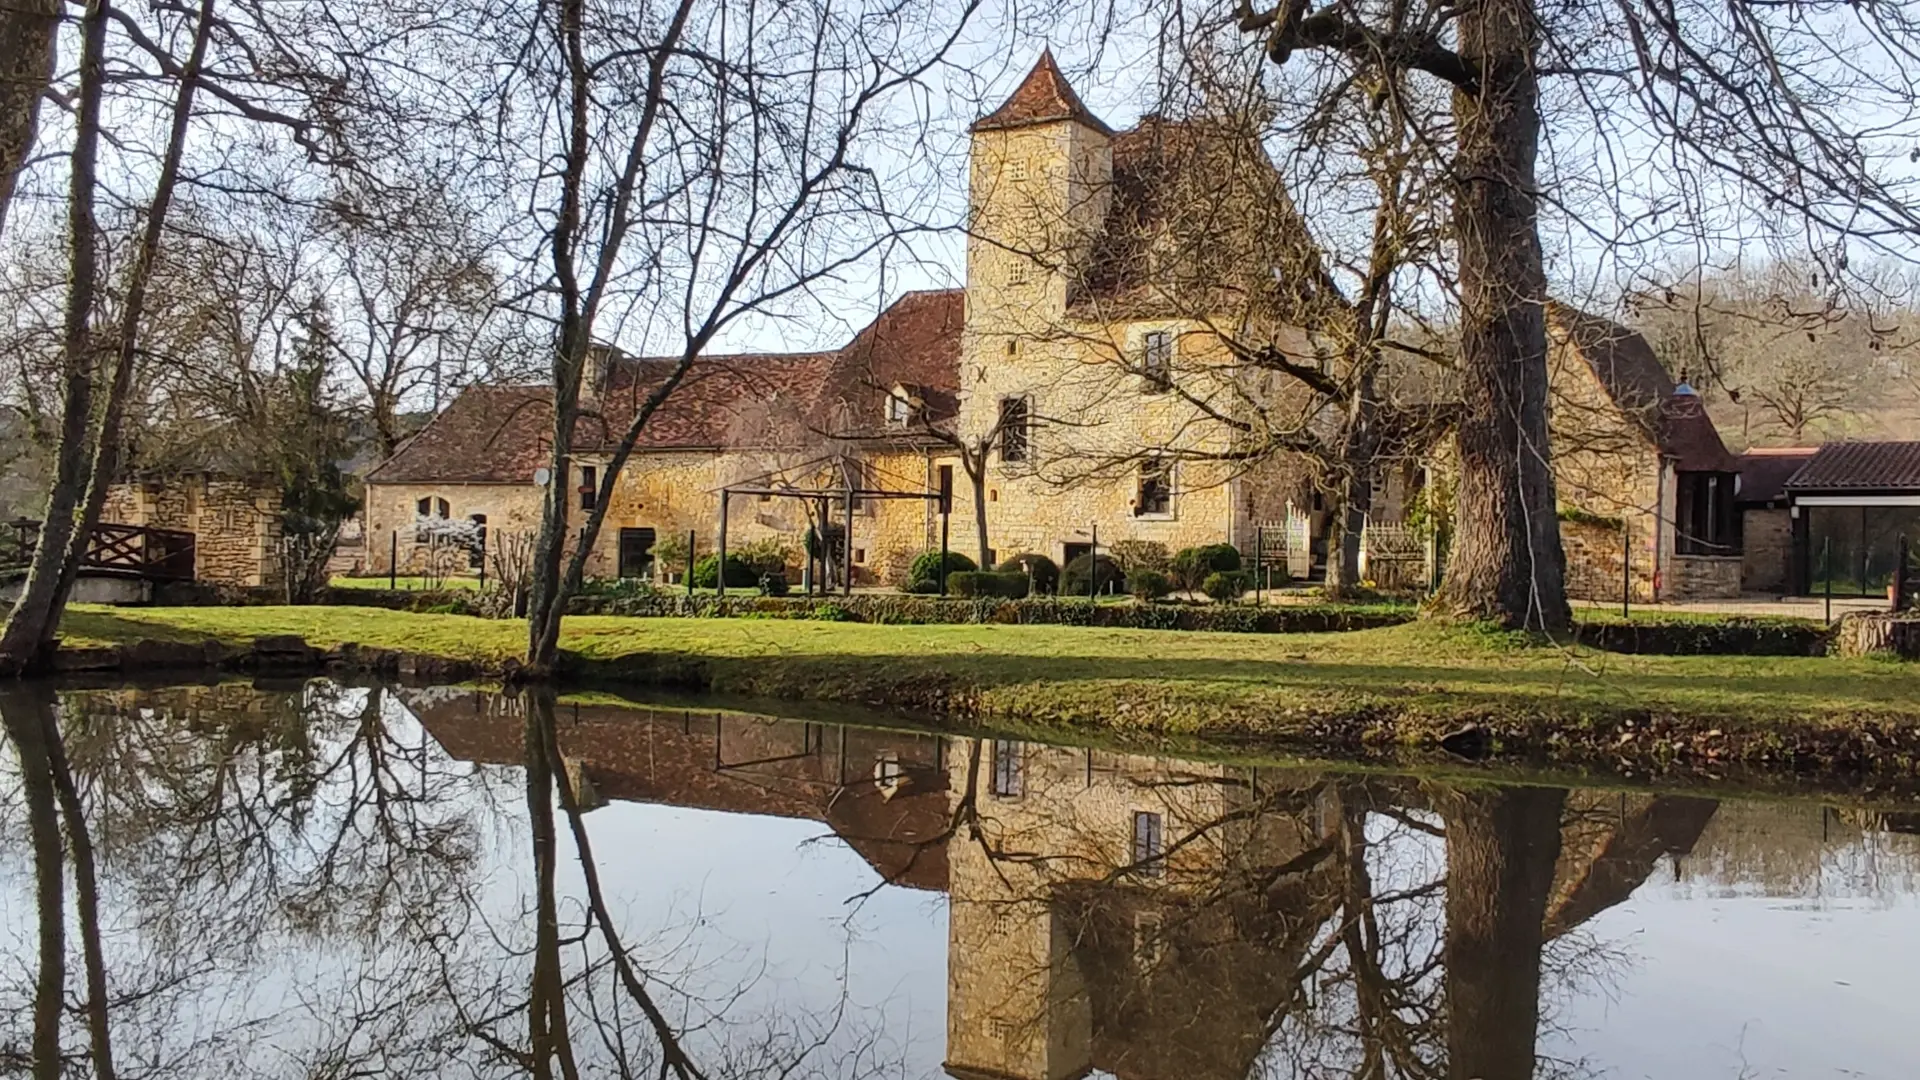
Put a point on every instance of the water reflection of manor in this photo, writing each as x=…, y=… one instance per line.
x=1147, y=917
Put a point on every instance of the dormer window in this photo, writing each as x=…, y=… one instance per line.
x=899, y=407
x=1156, y=360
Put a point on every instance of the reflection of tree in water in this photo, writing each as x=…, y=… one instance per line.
x=302, y=883
x=312, y=870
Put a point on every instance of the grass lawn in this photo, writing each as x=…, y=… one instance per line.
x=1294, y=686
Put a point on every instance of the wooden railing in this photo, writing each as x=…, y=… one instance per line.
x=139, y=550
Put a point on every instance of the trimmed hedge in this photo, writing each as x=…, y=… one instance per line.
x=1192, y=565
x=1044, y=572
x=926, y=567
x=1226, y=586
x=1010, y=585
x=894, y=608
x=740, y=573
x=1149, y=584
x=1074, y=579
x=1708, y=637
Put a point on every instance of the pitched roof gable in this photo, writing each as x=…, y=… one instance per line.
x=1043, y=97
x=1676, y=424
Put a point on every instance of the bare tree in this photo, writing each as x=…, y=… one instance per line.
x=415, y=291
x=1777, y=358
x=699, y=175
x=1753, y=117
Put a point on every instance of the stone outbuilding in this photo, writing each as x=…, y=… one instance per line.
x=1646, y=486
x=234, y=517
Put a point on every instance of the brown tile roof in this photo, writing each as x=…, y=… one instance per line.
x=1199, y=219
x=1623, y=362
x=1043, y=97
x=501, y=434
x=1764, y=471
x=1860, y=466
x=915, y=344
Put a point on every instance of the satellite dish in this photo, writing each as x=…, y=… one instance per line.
x=541, y=476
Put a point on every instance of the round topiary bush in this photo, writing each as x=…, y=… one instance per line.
x=773, y=584
x=926, y=567
x=1104, y=578
x=1149, y=584
x=1192, y=565
x=1043, y=572
x=706, y=572
x=1225, y=587
x=924, y=587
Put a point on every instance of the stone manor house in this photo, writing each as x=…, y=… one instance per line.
x=1054, y=356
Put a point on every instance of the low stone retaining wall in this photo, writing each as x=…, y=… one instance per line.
x=1864, y=633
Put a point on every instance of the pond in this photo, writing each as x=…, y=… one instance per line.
x=322, y=880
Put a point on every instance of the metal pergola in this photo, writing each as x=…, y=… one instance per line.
x=849, y=496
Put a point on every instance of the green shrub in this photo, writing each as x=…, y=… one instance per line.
x=925, y=586
x=1105, y=578
x=1225, y=586
x=894, y=608
x=769, y=556
x=926, y=567
x=1148, y=584
x=1192, y=565
x=773, y=584
x=1043, y=572
x=706, y=572
x=1008, y=585
x=1141, y=555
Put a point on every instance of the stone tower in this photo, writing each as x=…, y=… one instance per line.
x=1042, y=168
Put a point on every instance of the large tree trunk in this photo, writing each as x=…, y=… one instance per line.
x=34, y=617
x=106, y=451
x=1507, y=564
x=27, y=55
x=1501, y=849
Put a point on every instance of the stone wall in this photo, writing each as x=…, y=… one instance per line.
x=236, y=523
x=1767, y=559
x=673, y=493
x=1703, y=577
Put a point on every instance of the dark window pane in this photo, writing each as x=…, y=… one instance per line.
x=1007, y=781
x=1148, y=843
x=1016, y=422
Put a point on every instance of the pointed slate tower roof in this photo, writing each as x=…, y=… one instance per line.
x=1042, y=98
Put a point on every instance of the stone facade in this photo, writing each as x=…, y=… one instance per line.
x=674, y=493
x=1768, y=550
x=1704, y=577
x=1622, y=437
x=235, y=522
